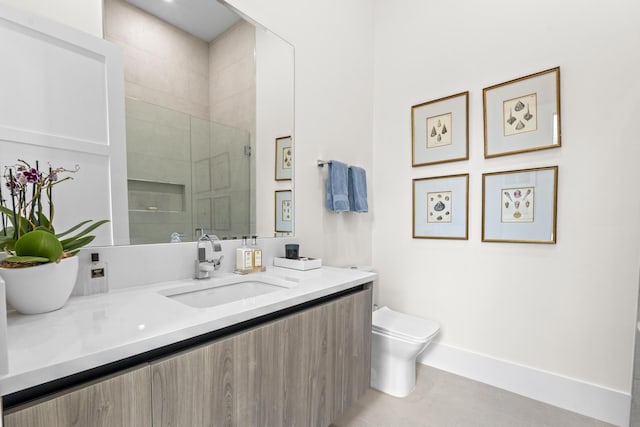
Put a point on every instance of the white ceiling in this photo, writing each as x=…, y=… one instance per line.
x=205, y=19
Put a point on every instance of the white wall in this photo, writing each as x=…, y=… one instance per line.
x=567, y=308
x=85, y=15
x=333, y=113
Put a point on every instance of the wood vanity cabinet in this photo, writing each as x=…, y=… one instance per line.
x=302, y=369
x=120, y=400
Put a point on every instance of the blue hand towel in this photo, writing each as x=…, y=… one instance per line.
x=358, y=189
x=337, y=198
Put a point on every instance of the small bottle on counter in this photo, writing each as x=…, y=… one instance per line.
x=256, y=254
x=244, y=257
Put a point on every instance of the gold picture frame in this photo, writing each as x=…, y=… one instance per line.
x=520, y=206
x=283, y=214
x=284, y=159
x=441, y=207
x=440, y=130
x=522, y=115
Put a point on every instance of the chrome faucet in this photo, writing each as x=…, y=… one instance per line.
x=204, y=265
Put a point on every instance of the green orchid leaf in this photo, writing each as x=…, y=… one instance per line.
x=7, y=243
x=87, y=230
x=74, y=243
x=24, y=224
x=84, y=232
x=43, y=228
x=72, y=253
x=72, y=229
x=27, y=259
x=44, y=222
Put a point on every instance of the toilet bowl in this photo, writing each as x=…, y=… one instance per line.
x=396, y=341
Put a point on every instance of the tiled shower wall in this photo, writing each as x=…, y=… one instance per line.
x=232, y=90
x=158, y=158
x=184, y=173
x=163, y=64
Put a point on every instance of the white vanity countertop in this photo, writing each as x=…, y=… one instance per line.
x=92, y=331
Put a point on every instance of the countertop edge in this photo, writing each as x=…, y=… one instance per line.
x=18, y=381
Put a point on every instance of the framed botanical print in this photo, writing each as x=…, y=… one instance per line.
x=522, y=115
x=441, y=207
x=283, y=211
x=440, y=131
x=520, y=206
x=284, y=158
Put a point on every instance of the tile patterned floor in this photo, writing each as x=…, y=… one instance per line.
x=442, y=399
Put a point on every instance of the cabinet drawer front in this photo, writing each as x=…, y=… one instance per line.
x=123, y=400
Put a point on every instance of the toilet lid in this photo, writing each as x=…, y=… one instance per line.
x=403, y=325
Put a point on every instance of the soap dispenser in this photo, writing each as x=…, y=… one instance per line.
x=256, y=254
x=244, y=257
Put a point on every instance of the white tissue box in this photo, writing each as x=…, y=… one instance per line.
x=302, y=264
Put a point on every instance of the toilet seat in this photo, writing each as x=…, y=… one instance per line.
x=403, y=326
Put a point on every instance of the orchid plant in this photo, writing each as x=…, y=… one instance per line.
x=27, y=231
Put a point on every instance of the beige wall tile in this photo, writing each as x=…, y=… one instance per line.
x=169, y=67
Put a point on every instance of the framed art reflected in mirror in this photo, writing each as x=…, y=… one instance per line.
x=284, y=159
x=283, y=211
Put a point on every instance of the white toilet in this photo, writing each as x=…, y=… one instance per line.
x=397, y=340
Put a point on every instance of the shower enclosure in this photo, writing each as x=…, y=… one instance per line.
x=186, y=173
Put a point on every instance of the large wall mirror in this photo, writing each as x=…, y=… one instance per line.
x=209, y=97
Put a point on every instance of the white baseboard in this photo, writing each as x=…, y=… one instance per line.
x=594, y=401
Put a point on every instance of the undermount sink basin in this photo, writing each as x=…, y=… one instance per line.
x=222, y=294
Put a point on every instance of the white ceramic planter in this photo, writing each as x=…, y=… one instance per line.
x=46, y=287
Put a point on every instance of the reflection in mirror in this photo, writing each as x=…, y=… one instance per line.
x=184, y=173
x=193, y=126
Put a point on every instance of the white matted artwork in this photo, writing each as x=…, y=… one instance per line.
x=440, y=207
x=284, y=159
x=522, y=114
x=221, y=213
x=439, y=130
x=283, y=211
x=520, y=206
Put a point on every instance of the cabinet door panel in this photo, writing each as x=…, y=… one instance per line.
x=41, y=415
x=318, y=366
x=220, y=396
x=194, y=388
x=258, y=376
x=123, y=400
x=355, y=338
x=305, y=368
